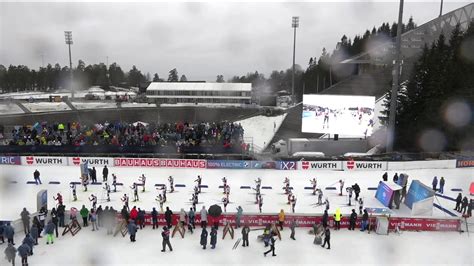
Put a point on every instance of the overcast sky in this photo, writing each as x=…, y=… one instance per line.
x=201, y=40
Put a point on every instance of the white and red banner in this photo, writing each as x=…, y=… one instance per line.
x=92, y=161
x=352, y=165
x=162, y=163
x=404, y=223
x=433, y=164
x=320, y=165
x=44, y=160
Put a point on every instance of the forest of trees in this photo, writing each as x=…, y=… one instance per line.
x=442, y=79
x=51, y=78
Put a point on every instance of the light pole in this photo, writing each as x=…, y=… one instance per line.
x=295, y=23
x=395, y=83
x=441, y=9
x=68, y=37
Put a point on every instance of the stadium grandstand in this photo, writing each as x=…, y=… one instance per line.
x=196, y=93
x=179, y=137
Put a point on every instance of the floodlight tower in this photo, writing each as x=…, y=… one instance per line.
x=295, y=24
x=68, y=37
x=395, y=83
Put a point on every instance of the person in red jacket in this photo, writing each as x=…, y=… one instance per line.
x=134, y=213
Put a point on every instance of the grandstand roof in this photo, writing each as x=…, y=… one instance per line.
x=190, y=86
x=414, y=40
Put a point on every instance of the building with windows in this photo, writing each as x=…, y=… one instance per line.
x=199, y=93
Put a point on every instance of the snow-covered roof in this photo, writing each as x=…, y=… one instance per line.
x=95, y=89
x=199, y=86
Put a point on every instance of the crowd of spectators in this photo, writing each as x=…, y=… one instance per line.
x=181, y=134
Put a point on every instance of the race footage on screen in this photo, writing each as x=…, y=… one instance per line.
x=338, y=114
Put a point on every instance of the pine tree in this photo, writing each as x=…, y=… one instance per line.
x=183, y=78
x=173, y=75
x=440, y=76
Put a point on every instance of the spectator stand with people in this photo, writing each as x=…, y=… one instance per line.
x=178, y=137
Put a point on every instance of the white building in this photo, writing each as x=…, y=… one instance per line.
x=199, y=92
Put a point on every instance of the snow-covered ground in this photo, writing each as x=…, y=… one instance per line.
x=66, y=92
x=138, y=105
x=13, y=197
x=94, y=105
x=40, y=95
x=261, y=128
x=47, y=106
x=347, y=247
x=10, y=109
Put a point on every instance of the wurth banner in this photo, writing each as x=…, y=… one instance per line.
x=91, y=161
x=329, y=165
x=162, y=163
x=352, y=165
x=43, y=160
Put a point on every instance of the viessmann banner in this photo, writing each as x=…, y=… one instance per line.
x=158, y=162
x=405, y=223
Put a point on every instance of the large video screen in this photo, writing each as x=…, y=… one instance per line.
x=338, y=114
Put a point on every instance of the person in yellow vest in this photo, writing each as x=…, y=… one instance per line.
x=281, y=219
x=337, y=218
x=61, y=127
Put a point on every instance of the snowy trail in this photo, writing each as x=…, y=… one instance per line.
x=13, y=197
x=347, y=247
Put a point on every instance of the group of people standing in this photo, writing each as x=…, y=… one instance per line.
x=33, y=230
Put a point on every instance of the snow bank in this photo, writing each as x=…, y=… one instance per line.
x=94, y=105
x=261, y=128
x=6, y=109
x=46, y=106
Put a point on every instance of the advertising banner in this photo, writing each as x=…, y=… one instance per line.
x=261, y=220
x=425, y=224
x=263, y=165
x=92, y=161
x=431, y=164
x=12, y=160
x=314, y=165
x=364, y=166
x=230, y=164
x=465, y=163
x=384, y=194
x=43, y=160
x=286, y=165
x=417, y=192
x=157, y=162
